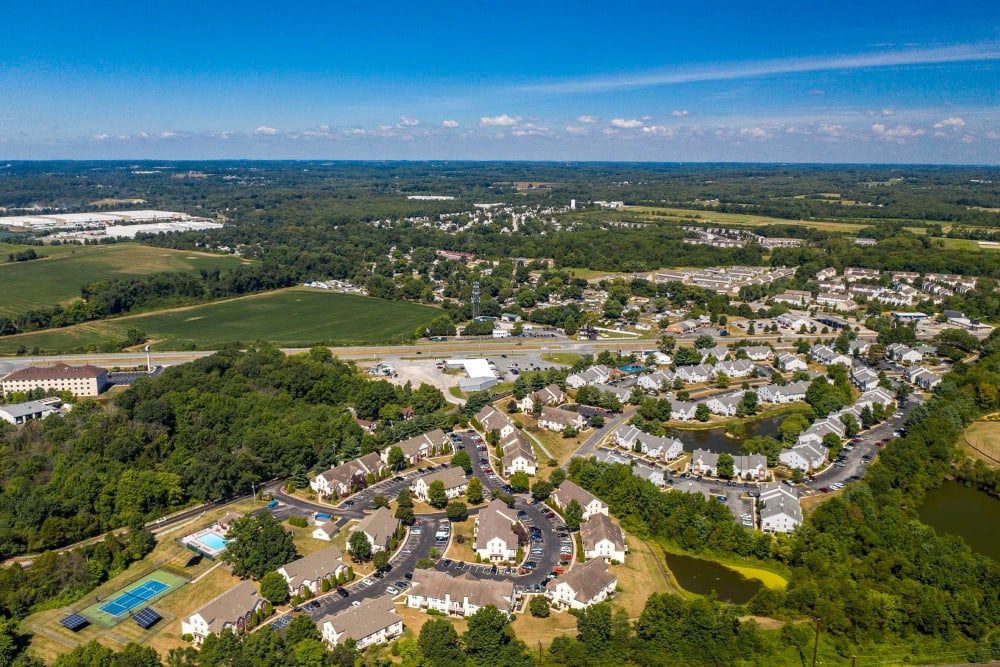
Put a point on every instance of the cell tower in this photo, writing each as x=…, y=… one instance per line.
x=475, y=300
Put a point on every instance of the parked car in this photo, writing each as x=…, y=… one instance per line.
x=342, y=592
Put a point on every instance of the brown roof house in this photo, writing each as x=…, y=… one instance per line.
x=585, y=584
x=233, y=609
x=458, y=596
x=551, y=395
x=420, y=447
x=375, y=621
x=454, y=480
x=602, y=538
x=518, y=455
x=308, y=572
x=379, y=527
x=340, y=480
x=569, y=491
x=557, y=419
x=492, y=419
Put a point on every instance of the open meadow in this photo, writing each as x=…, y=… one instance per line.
x=679, y=214
x=58, y=277
x=294, y=317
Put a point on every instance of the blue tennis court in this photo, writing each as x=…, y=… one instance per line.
x=134, y=598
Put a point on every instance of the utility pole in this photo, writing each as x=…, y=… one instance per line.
x=816, y=643
x=539, y=653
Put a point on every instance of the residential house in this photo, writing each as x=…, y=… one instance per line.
x=684, y=326
x=379, y=527
x=693, y=487
x=683, y=410
x=750, y=467
x=864, y=378
x=569, y=491
x=340, y=480
x=720, y=352
x=649, y=473
x=463, y=595
x=922, y=377
x=789, y=362
x=550, y=395
x=655, y=446
x=594, y=375
x=828, y=356
x=759, y=353
x=725, y=405
x=496, y=540
x=859, y=347
x=826, y=274
x=307, y=573
x=325, y=531
x=19, y=413
x=704, y=462
x=696, y=374
x=454, y=480
x=492, y=419
x=585, y=584
x=852, y=274
x=820, y=428
x=794, y=297
x=602, y=538
x=806, y=456
x=870, y=398
x=623, y=394
x=780, y=510
x=789, y=393
x=741, y=368
x=557, y=419
x=374, y=621
x=903, y=353
x=233, y=609
x=840, y=302
x=518, y=455
x=420, y=447
x=656, y=380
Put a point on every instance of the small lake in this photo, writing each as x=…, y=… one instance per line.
x=716, y=440
x=963, y=511
x=702, y=577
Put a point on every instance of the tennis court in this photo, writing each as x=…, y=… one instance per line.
x=134, y=598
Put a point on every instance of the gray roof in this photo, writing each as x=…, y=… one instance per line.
x=27, y=409
x=362, y=621
x=430, y=439
x=558, y=415
x=708, y=457
x=315, y=566
x=452, y=478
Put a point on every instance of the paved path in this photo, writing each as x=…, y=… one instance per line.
x=589, y=446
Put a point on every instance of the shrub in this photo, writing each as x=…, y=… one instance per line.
x=298, y=521
x=539, y=607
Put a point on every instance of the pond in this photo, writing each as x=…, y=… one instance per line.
x=716, y=440
x=702, y=577
x=963, y=511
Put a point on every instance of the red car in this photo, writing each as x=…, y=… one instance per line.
x=487, y=471
x=550, y=515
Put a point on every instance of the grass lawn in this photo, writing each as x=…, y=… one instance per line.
x=982, y=441
x=564, y=358
x=57, y=278
x=463, y=552
x=742, y=218
x=532, y=630
x=643, y=573
x=293, y=317
x=414, y=619
x=305, y=543
x=561, y=448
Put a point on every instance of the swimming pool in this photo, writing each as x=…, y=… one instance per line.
x=212, y=541
x=631, y=369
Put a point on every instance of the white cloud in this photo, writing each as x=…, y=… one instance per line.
x=679, y=113
x=954, y=122
x=167, y=135
x=587, y=119
x=265, y=130
x=888, y=112
x=897, y=134
x=755, y=133
x=502, y=120
x=830, y=130
x=817, y=91
x=624, y=124
x=577, y=131
x=101, y=137
x=449, y=124
x=408, y=122
x=659, y=131
x=993, y=135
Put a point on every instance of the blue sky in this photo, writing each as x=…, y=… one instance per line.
x=722, y=81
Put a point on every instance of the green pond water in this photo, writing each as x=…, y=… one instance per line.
x=701, y=576
x=956, y=509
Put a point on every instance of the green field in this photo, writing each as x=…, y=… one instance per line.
x=678, y=214
x=58, y=277
x=294, y=317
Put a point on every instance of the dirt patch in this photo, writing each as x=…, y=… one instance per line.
x=424, y=372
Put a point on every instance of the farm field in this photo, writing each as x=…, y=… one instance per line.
x=743, y=219
x=294, y=317
x=58, y=277
x=982, y=441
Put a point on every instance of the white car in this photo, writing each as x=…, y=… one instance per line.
x=356, y=603
x=392, y=590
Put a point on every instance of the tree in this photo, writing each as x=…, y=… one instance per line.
x=749, y=404
x=687, y=356
x=792, y=426
x=490, y=640
x=539, y=607
x=380, y=559
x=439, y=646
x=574, y=515
x=359, y=547
x=474, y=494
x=520, y=388
x=380, y=501
x=404, y=507
x=457, y=511
x=726, y=462
x=833, y=443
x=519, y=481
x=666, y=344
x=441, y=326
x=557, y=476
x=300, y=629
x=702, y=413
x=704, y=342
x=396, y=459
x=541, y=490
x=299, y=478
x=461, y=459
x=436, y=495
x=257, y=545
x=274, y=588
x=570, y=326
